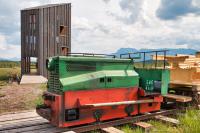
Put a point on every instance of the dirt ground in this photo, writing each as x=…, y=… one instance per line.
x=14, y=97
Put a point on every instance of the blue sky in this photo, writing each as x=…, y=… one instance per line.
x=103, y=26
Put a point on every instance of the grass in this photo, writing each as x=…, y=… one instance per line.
x=6, y=73
x=129, y=129
x=39, y=100
x=3, y=83
x=189, y=123
x=9, y=64
x=160, y=127
x=43, y=87
x=8, y=69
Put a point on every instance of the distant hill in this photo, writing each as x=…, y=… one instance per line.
x=170, y=52
x=10, y=59
x=133, y=50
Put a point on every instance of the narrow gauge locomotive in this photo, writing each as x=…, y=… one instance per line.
x=87, y=89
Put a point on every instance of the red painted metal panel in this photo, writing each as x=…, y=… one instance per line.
x=149, y=107
x=74, y=100
x=99, y=96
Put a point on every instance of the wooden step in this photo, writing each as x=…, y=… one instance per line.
x=69, y=132
x=146, y=126
x=112, y=130
x=167, y=119
x=178, y=98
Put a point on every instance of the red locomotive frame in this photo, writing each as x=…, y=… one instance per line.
x=87, y=106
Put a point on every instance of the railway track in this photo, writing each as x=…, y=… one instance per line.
x=30, y=122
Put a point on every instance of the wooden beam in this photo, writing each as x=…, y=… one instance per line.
x=18, y=115
x=31, y=128
x=167, y=119
x=112, y=130
x=69, y=132
x=178, y=98
x=146, y=126
x=21, y=120
x=181, y=83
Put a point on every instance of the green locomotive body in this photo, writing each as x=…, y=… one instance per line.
x=83, y=73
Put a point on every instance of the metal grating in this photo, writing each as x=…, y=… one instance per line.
x=54, y=84
x=86, y=66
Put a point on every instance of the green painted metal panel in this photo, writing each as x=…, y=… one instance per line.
x=93, y=80
x=166, y=80
x=91, y=59
x=149, y=77
x=79, y=73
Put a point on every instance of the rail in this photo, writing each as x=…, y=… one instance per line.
x=144, y=56
x=90, y=54
x=140, y=55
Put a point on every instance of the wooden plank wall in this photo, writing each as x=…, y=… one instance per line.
x=49, y=42
x=51, y=20
x=28, y=37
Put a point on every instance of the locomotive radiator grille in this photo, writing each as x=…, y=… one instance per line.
x=54, y=83
x=86, y=66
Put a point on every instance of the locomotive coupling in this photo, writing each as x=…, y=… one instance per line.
x=44, y=111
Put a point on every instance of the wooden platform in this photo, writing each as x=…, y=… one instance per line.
x=33, y=79
x=23, y=122
x=178, y=98
x=191, y=89
x=191, y=86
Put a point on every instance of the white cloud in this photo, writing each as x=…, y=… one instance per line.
x=8, y=50
x=2, y=42
x=103, y=26
x=147, y=31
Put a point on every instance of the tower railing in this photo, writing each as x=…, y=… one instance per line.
x=142, y=55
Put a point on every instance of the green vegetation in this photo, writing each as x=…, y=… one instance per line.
x=6, y=73
x=39, y=99
x=160, y=127
x=189, y=123
x=129, y=129
x=8, y=69
x=2, y=83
